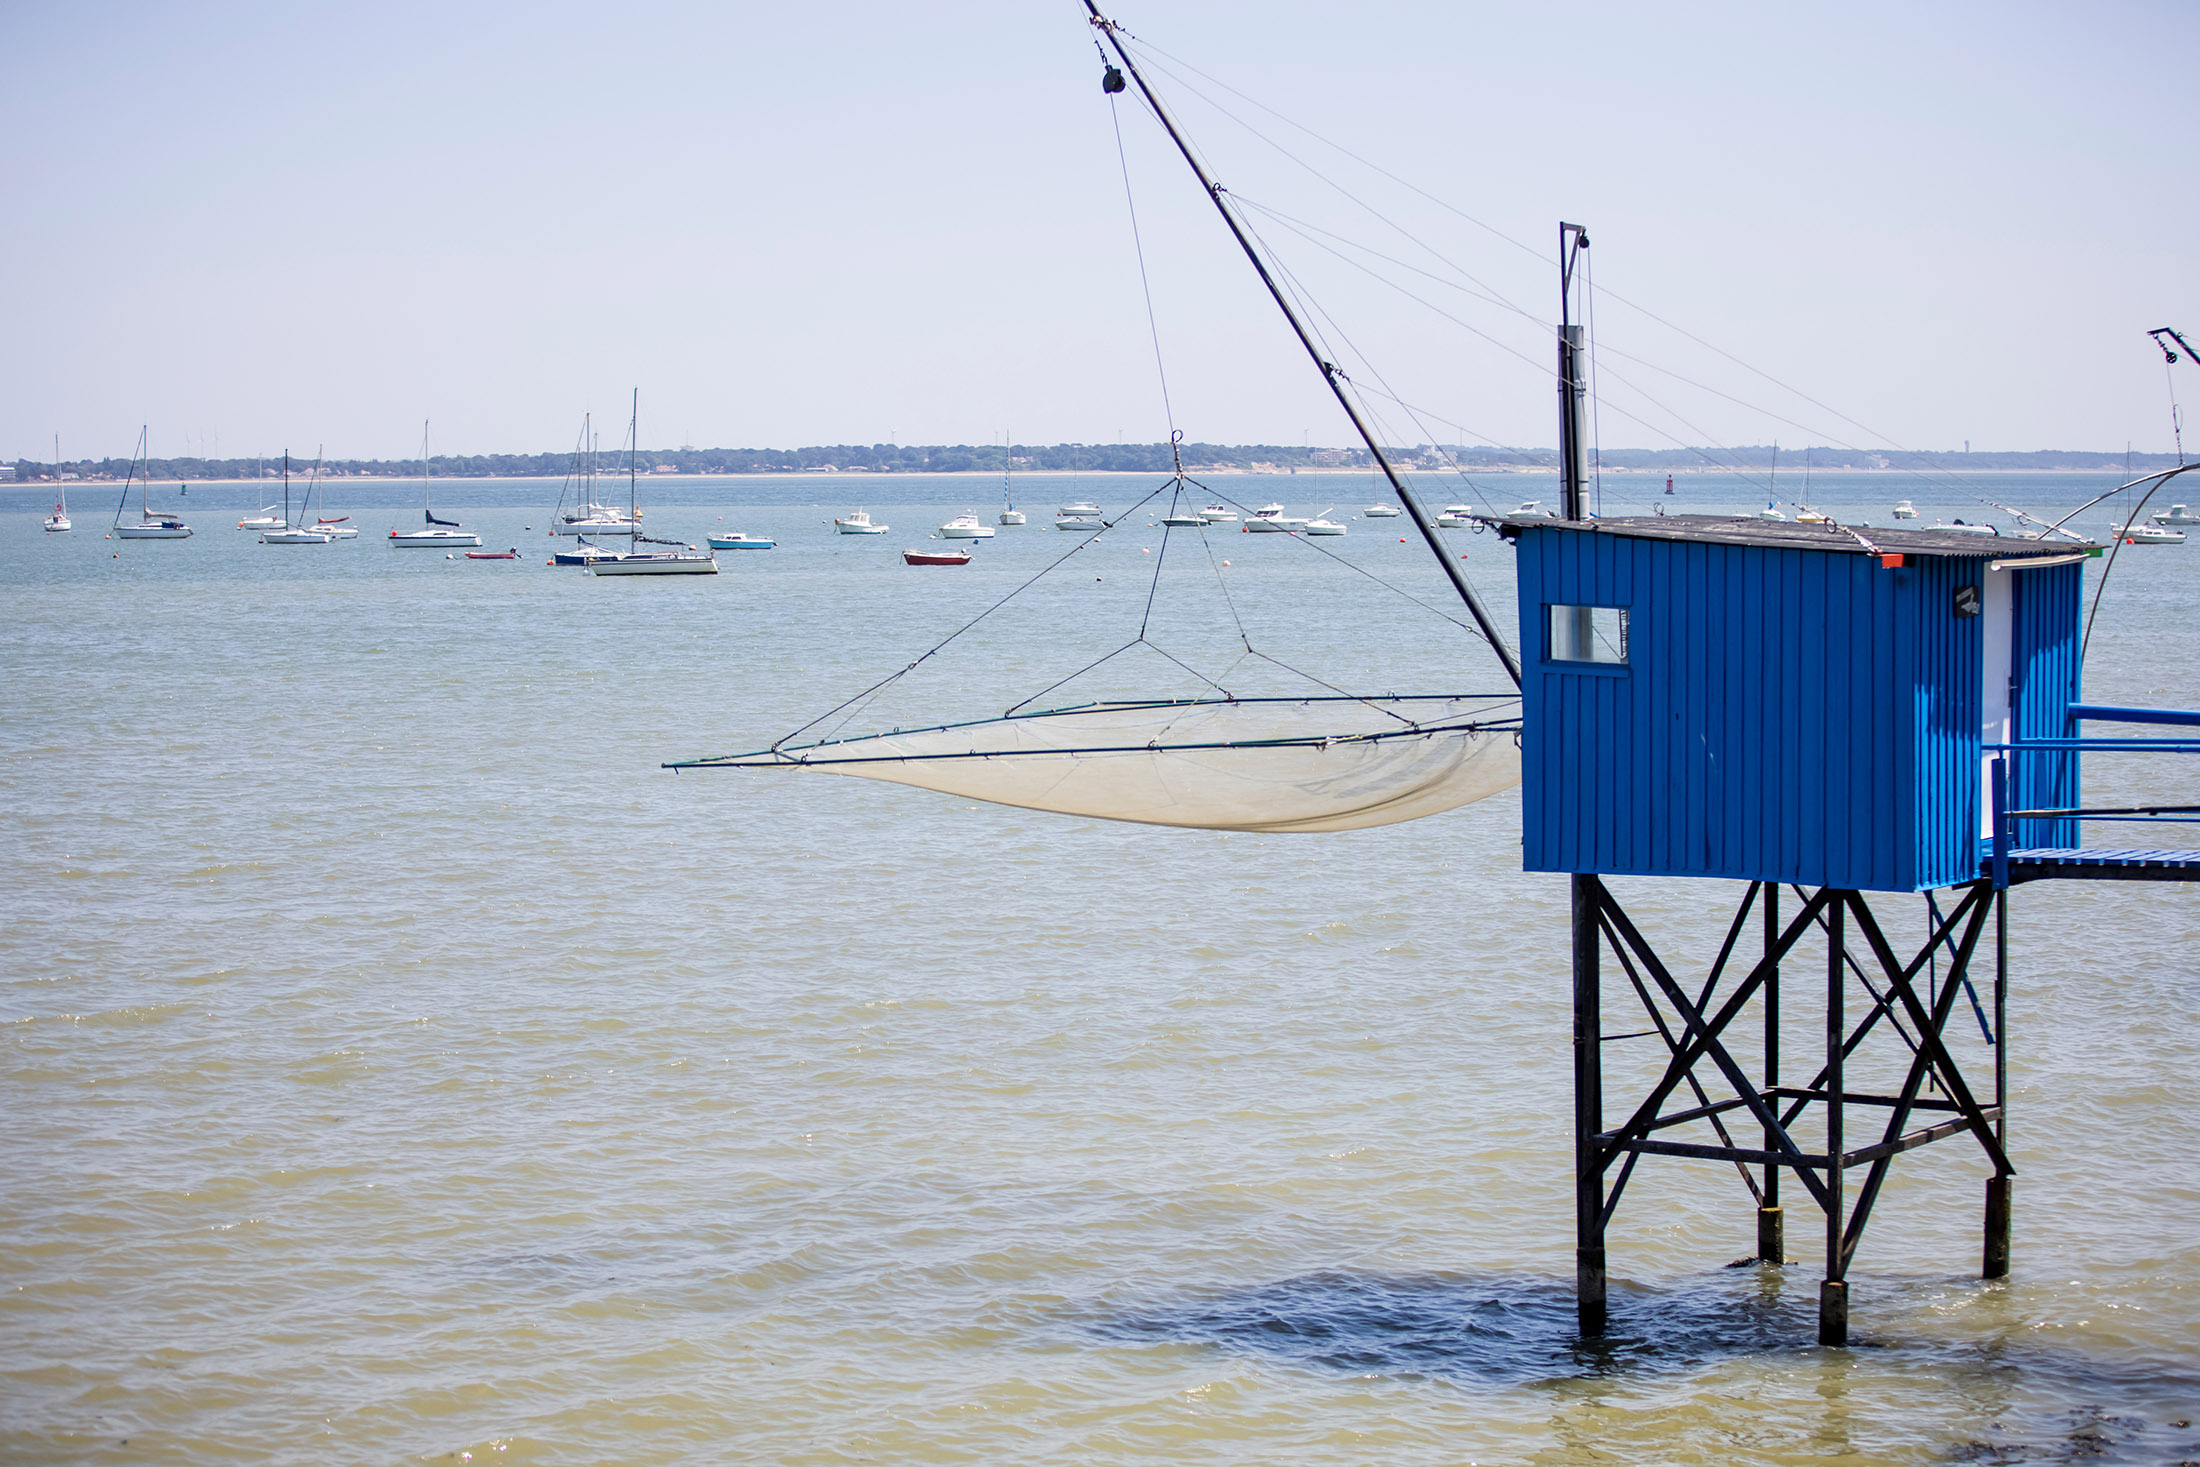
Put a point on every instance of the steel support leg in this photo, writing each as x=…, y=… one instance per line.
x=1771, y=1223
x=1833, y=1294
x=1996, y=1263
x=1588, y=895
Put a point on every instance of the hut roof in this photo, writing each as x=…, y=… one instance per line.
x=1715, y=529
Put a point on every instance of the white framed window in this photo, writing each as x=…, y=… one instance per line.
x=1592, y=634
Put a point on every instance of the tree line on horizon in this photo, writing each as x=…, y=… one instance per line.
x=1147, y=458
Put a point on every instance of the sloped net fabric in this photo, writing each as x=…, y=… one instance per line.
x=1257, y=764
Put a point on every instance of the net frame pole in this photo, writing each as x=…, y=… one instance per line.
x=1330, y=375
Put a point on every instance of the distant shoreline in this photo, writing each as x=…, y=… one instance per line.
x=1073, y=459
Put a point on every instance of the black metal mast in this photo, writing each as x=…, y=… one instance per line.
x=1330, y=374
x=1573, y=384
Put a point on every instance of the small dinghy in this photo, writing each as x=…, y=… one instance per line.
x=936, y=557
x=741, y=542
x=492, y=555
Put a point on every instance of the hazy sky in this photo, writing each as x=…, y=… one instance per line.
x=259, y=226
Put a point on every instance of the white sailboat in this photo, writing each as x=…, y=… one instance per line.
x=438, y=534
x=1010, y=514
x=290, y=533
x=58, y=522
x=149, y=526
x=338, y=527
x=680, y=559
x=587, y=517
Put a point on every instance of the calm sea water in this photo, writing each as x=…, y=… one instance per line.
x=401, y=1066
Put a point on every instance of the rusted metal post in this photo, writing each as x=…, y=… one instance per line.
x=1588, y=894
x=1833, y=1293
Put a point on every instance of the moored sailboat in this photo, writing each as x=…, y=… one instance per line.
x=148, y=526
x=679, y=560
x=438, y=534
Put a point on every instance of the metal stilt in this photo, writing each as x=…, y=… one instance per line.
x=1588, y=893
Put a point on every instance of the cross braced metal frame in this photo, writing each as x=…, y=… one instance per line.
x=1911, y=998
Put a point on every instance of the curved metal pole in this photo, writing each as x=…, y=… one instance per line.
x=2106, y=570
x=1329, y=372
x=2165, y=476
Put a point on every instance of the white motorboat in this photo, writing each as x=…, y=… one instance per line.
x=1181, y=520
x=858, y=523
x=2143, y=534
x=966, y=527
x=1461, y=516
x=438, y=534
x=1082, y=509
x=1079, y=522
x=2177, y=514
x=1270, y=519
x=682, y=562
x=1905, y=511
x=1527, y=507
x=149, y=526
x=1960, y=528
x=1216, y=514
x=1320, y=526
x=1381, y=511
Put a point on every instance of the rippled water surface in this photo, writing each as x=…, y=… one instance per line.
x=402, y=1066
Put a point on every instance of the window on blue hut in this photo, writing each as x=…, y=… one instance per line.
x=1595, y=634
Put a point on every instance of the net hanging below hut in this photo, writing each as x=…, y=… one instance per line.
x=1250, y=764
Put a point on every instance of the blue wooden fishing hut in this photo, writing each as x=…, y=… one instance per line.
x=1830, y=709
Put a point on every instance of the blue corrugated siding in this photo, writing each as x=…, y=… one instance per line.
x=2043, y=684
x=1786, y=715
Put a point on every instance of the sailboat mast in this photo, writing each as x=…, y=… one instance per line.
x=633, y=447
x=124, y=502
x=286, y=488
x=1330, y=374
x=427, y=509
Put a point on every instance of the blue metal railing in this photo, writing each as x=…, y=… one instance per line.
x=2004, y=818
